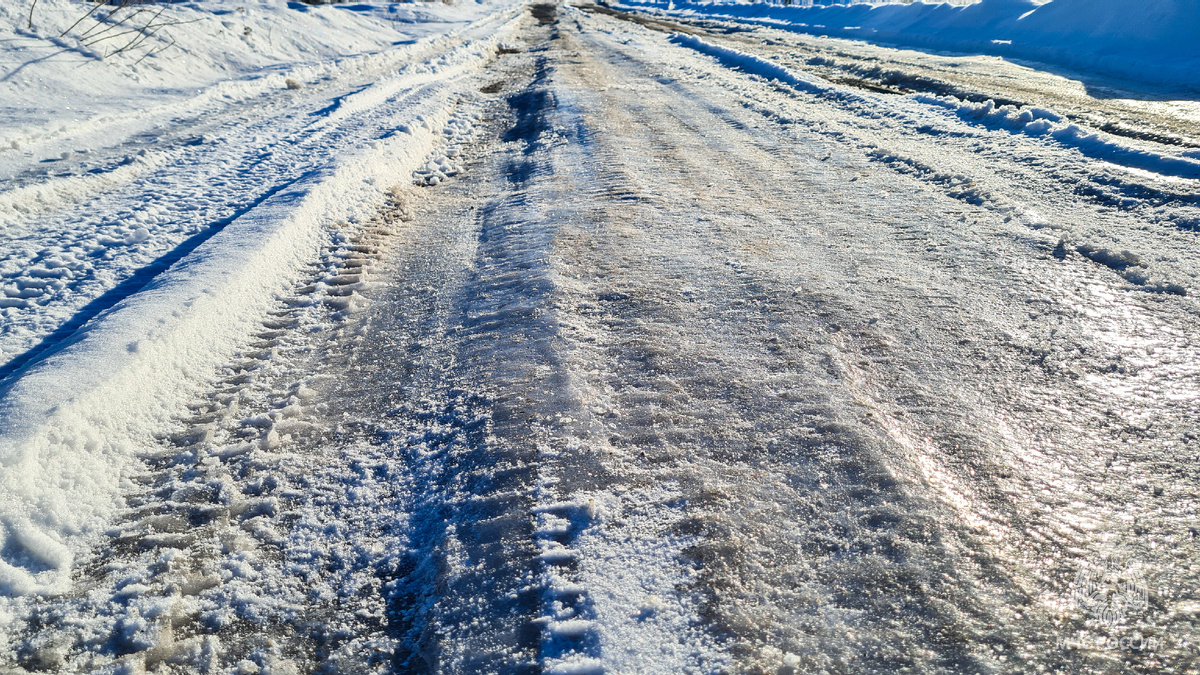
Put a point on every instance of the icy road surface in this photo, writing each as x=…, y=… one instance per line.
x=681, y=356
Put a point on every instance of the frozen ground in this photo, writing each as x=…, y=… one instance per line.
x=575, y=341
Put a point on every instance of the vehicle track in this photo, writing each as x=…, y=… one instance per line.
x=684, y=371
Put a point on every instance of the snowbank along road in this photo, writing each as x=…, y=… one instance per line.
x=614, y=344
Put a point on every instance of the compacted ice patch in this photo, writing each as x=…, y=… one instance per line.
x=616, y=578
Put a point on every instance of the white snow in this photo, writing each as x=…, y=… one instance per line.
x=1039, y=121
x=704, y=362
x=1152, y=41
x=59, y=98
x=634, y=574
x=1032, y=120
x=74, y=423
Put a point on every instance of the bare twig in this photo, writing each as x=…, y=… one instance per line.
x=155, y=51
x=103, y=21
x=100, y=20
x=100, y=37
x=135, y=43
x=148, y=27
x=79, y=20
x=89, y=36
x=107, y=26
x=141, y=31
x=31, y=8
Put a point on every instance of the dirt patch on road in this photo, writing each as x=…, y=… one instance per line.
x=652, y=24
x=544, y=13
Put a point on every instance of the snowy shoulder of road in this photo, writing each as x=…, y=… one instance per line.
x=1154, y=43
x=1029, y=120
x=69, y=67
x=156, y=201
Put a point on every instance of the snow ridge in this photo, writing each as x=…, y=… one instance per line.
x=749, y=63
x=1034, y=122
x=1040, y=122
x=73, y=424
x=1153, y=43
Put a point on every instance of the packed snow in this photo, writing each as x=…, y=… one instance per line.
x=673, y=338
x=165, y=277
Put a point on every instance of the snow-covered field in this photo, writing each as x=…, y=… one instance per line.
x=520, y=338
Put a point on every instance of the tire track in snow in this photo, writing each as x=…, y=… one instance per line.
x=863, y=386
x=1043, y=457
x=228, y=556
x=565, y=541
x=662, y=386
x=37, y=562
x=70, y=241
x=716, y=453
x=437, y=526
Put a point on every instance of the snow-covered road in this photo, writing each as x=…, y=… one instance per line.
x=684, y=353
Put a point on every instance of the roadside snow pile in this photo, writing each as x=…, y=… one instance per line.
x=68, y=74
x=1035, y=121
x=1151, y=41
x=750, y=63
x=1032, y=121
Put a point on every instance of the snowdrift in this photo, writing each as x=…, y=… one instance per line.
x=1154, y=41
x=65, y=84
